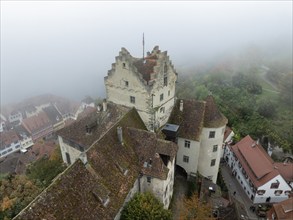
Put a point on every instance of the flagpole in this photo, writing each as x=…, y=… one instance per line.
x=143, y=46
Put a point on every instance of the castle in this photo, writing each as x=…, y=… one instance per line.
x=132, y=143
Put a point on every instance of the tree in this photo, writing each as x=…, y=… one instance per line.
x=193, y=209
x=145, y=206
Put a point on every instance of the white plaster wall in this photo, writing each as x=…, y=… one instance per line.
x=129, y=196
x=26, y=142
x=192, y=153
x=162, y=189
x=206, y=152
x=13, y=147
x=118, y=92
x=65, y=148
x=271, y=192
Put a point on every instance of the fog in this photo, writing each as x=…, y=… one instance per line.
x=66, y=48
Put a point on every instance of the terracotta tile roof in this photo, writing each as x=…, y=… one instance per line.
x=146, y=67
x=254, y=159
x=283, y=210
x=8, y=137
x=191, y=120
x=37, y=122
x=81, y=192
x=286, y=170
x=153, y=153
x=213, y=118
x=53, y=114
x=99, y=122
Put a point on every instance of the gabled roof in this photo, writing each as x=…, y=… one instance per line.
x=284, y=209
x=153, y=153
x=98, y=122
x=286, y=170
x=8, y=137
x=53, y=114
x=255, y=161
x=97, y=189
x=147, y=68
x=36, y=122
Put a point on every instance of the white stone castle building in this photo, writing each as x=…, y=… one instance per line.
x=148, y=84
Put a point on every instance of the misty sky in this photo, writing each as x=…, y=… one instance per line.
x=67, y=47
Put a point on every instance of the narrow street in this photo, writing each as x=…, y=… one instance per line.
x=240, y=198
x=180, y=189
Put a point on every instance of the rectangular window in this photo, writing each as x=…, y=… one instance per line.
x=215, y=148
x=278, y=192
x=149, y=179
x=213, y=162
x=162, y=97
x=126, y=83
x=132, y=99
x=68, y=158
x=165, y=80
x=185, y=159
x=168, y=92
x=187, y=144
x=212, y=134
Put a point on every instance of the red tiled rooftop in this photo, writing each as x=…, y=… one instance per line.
x=36, y=122
x=286, y=170
x=256, y=162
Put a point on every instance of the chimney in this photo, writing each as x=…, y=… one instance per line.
x=104, y=105
x=119, y=133
x=83, y=158
x=181, y=105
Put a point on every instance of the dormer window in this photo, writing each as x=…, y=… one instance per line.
x=275, y=185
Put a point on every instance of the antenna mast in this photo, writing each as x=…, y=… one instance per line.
x=143, y=46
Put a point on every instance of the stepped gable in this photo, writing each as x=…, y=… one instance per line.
x=95, y=189
x=190, y=120
x=147, y=68
x=255, y=161
x=153, y=153
x=213, y=118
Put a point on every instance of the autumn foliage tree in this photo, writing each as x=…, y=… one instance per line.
x=145, y=206
x=193, y=209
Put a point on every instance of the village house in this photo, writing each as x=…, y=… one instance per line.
x=263, y=180
x=147, y=83
x=54, y=117
x=9, y=143
x=281, y=211
x=38, y=126
x=198, y=128
x=109, y=169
